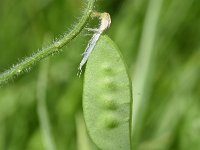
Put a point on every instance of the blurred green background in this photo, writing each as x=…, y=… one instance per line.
x=160, y=42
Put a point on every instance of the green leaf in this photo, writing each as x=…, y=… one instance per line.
x=107, y=97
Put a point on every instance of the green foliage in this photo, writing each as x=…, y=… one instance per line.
x=107, y=97
x=169, y=112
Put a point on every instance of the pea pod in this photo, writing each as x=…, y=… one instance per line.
x=107, y=97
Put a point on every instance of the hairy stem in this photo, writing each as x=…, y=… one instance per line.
x=28, y=62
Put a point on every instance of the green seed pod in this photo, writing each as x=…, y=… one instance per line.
x=107, y=97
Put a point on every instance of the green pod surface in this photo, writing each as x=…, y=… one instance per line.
x=107, y=97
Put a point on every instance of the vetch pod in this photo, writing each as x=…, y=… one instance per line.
x=107, y=97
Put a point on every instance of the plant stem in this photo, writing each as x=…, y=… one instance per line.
x=82, y=137
x=28, y=62
x=42, y=111
x=144, y=66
